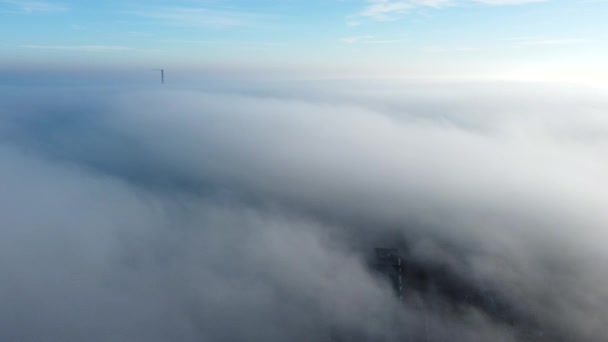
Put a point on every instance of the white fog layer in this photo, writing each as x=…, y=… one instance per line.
x=251, y=212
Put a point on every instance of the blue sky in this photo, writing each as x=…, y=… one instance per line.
x=502, y=38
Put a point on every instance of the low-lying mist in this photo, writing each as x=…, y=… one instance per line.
x=251, y=212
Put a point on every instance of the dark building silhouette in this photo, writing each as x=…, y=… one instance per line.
x=444, y=290
x=390, y=263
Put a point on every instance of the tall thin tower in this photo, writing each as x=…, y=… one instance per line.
x=162, y=76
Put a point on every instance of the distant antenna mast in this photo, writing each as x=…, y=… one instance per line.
x=162, y=76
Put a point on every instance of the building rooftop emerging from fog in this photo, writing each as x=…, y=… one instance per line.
x=439, y=284
x=390, y=263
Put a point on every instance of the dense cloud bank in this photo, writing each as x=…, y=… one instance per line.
x=250, y=212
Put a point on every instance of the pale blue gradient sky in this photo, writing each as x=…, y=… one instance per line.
x=513, y=39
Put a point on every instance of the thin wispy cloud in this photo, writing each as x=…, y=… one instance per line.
x=390, y=10
x=507, y=2
x=369, y=39
x=34, y=6
x=235, y=43
x=449, y=49
x=550, y=42
x=86, y=48
x=355, y=39
x=201, y=17
x=386, y=10
x=512, y=43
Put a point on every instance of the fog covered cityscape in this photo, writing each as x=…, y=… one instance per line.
x=355, y=170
